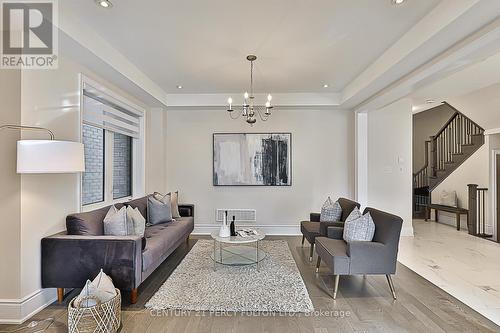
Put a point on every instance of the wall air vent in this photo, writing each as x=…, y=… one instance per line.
x=241, y=215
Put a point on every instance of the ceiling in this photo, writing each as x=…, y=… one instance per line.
x=202, y=44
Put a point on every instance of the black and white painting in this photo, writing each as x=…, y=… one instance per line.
x=252, y=159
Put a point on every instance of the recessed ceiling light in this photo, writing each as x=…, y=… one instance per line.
x=179, y=87
x=397, y=2
x=104, y=3
x=430, y=101
x=325, y=85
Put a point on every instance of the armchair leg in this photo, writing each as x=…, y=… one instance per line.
x=303, y=239
x=60, y=295
x=133, y=296
x=391, y=285
x=311, y=252
x=318, y=263
x=336, y=286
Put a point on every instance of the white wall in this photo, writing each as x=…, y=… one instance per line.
x=322, y=165
x=390, y=161
x=156, y=172
x=10, y=188
x=51, y=99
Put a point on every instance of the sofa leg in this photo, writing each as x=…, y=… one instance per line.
x=391, y=285
x=336, y=286
x=303, y=239
x=318, y=263
x=187, y=240
x=60, y=295
x=133, y=296
x=311, y=252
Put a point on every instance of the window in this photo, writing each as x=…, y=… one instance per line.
x=122, y=166
x=93, y=177
x=112, y=137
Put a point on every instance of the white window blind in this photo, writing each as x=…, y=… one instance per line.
x=101, y=112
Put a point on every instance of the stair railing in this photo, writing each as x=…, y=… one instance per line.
x=458, y=131
x=421, y=177
x=476, y=222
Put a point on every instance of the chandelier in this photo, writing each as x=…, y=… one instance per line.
x=249, y=109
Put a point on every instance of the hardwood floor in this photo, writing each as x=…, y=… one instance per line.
x=362, y=305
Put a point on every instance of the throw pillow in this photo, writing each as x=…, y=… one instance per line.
x=159, y=211
x=136, y=223
x=361, y=228
x=101, y=287
x=175, y=204
x=115, y=222
x=330, y=212
x=449, y=198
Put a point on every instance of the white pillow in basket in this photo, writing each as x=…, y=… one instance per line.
x=101, y=287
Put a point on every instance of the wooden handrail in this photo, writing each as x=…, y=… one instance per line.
x=456, y=111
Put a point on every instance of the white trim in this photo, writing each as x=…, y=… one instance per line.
x=492, y=131
x=17, y=311
x=269, y=229
x=493, y=196
x=361, y=158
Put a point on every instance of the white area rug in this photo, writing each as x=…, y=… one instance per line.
x=277, y=287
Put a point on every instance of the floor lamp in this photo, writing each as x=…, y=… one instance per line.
x=47, y=156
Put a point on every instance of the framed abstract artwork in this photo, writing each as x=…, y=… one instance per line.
x=252, y=159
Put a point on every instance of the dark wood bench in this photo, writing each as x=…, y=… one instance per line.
x=449, y=209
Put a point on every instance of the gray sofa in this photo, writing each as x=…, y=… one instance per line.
x=70, y=258
x=376, y=257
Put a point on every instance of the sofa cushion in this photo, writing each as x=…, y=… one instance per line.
x=115, y=222
x=164, y=238
x=360, y=229
x=141, y=204
x=88, y=223
x=334, y=253
x=310, y=230
x=159, y=211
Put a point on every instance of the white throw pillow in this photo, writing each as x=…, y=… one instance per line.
x=115, y=222
x=448, y=198
x=359, y=227
x=101, y=287
x=136, y=223
x=330, y=212
x=174, y=199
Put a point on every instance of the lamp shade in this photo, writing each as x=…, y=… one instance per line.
x=50, y=156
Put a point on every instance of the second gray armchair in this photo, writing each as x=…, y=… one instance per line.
x=376, y=257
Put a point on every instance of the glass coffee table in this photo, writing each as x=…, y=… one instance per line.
x=237, y=250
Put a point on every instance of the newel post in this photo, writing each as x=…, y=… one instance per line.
x=472, y=218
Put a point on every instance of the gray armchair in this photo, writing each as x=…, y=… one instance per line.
x=314, y=228
x=376, y=257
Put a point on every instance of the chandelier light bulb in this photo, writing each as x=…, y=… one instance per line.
x=269, y=97
x=268, y=104
x=229, y=101
x=245, y=95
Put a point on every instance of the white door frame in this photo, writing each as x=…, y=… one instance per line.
x=493, y=186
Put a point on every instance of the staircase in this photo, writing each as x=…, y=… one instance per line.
x=457, y=140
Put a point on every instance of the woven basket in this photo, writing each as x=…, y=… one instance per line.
x=103, y=317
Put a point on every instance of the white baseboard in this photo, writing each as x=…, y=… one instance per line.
x=277, y=229
x=17, y=311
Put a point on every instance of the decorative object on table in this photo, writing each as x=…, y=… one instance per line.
x=232, y=228
x=97, y=308
x=277, y=287
x=47, y=156
x=254, y=159
x=330, y=211
x=359, y=227
x=224, y=228
x=249, y=108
